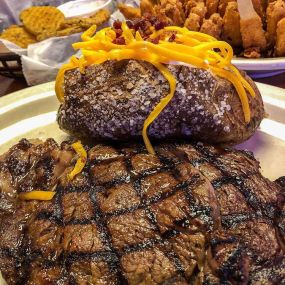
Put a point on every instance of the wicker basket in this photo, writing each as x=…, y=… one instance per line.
x=10, y=63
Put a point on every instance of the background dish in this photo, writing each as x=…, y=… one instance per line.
x=31, y=113
x=261, y=67
x=83, y=8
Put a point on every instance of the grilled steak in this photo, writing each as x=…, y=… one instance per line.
x=113, y=99
x=191, y=214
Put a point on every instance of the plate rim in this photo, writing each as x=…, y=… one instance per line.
x=260, y=64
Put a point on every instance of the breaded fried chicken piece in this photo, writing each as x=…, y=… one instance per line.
x=190, y=4
x=274, y=13
x=146, y=7
x=173, y=10
x=251, y=29
x=200, y=10
x=223, y=6
x=196, y=15
x=193, y=22
x=212, y=7
x=129, y=12
x=213, y=26
x=259, y=8
x=280, y=38
x=231, y=25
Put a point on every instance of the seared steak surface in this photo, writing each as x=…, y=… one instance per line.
x=191, y=214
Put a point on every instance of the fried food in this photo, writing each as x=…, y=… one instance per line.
x=97, y=19
x=231, y=27
x=188, y=5
x=173, y=10
x=129, y=12
x=200, y=10
x=252, y=33
x=193, y=22
x=212, y=7
x=47, y=22
x=18, y=35
x=275, y=12
x=60, y=33
x=259, y=8
x=146, y=7
x=280, y=38
x=223, y=6
x=213, y=26
x=249, y=38
x=38, y=20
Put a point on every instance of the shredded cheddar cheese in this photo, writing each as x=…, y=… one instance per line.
x=37, y=195
x=81, y=161
x=194, y=48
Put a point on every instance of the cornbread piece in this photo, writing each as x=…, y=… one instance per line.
x=191, y=214
x=38, y=20
x=113, y=99
x=18, y=35
x=280, y=38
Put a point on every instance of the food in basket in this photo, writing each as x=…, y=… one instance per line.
x=40, y=23
x=250, y=26
x=77, y=25
x=191, y=214
x=18, y=35
x=123, y=87
x=38, y=20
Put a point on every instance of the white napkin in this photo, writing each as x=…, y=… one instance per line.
x=12, y=8
x=41, y=61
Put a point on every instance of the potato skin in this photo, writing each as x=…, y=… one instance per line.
x=113, y=99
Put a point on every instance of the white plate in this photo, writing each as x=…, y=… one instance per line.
x=31, y=113
x=261, y=67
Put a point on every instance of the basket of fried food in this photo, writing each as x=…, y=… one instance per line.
x=38, y=24
x=254, y=28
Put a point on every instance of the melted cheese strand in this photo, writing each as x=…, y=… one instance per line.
x=37, y=195
x=194, y=48
x=159, y=107
x=81, y=161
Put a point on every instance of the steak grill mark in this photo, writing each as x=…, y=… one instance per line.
x=112, y=255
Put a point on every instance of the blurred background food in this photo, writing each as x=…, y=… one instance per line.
x=40, y=23
x=255, y=28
